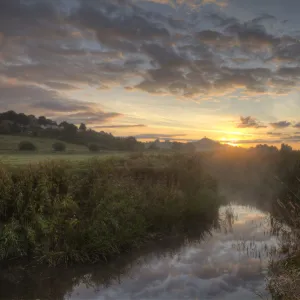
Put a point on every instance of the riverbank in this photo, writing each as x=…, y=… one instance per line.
x=211, y=263
x=284, y=277
x=62, y=213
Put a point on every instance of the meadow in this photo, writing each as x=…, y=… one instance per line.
x=10, y=155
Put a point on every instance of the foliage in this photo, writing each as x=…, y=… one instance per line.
x=12, y=123
x=94, y=148
x=286, y=148
x=58, y=146
x=82, y=127
x=59, y=213
x=26, y=146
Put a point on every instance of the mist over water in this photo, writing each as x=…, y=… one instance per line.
x=231, y=263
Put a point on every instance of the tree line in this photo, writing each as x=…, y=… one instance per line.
x=13, y=123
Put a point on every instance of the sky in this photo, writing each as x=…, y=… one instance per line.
x=169, y=69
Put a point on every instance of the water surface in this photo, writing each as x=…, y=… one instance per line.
x=231, y=263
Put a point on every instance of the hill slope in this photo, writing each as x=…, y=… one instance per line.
x=206, y=144
x=9, y=143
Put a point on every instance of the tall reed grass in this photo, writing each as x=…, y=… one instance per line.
x=61, y=213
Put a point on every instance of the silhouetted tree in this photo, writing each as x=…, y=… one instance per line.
x=82, y=127
x=285, y=148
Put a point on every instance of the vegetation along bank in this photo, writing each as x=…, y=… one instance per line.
x=61, y=213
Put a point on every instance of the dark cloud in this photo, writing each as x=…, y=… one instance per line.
x=159, y=136
x=281, y=124
x=60, y=86
x=90, y=117
x=28, y=97
x=57, y=105
x=118, y=32
x=289, y=72
x=189, y=52
x=249, y=122
x=297, y=125
x=119, y=126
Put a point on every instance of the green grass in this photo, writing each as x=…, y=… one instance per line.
x=9, y=144
x=18, y=159
x=57, y=212
x=10, y=155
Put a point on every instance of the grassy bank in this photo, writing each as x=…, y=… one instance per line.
x=59, y=212
x=284, y=280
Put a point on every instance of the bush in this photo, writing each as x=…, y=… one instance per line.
x=27, y=146
x=94, y=147
x=58, y=213
x=58, y=146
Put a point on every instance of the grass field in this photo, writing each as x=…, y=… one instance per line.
x=9, y=153
x=31, y=158
x=9, y=144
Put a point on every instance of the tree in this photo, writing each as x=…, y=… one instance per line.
x=69, y=129
x=94, y=147
x=58, y=146
x=42, y=120
x=285, y=148
x=82, y=127
x=5, y=126
x=26, y=146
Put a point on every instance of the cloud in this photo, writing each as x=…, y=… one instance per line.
x=249, y=122
x=281, y=124
x=58, y=105
x=275, y=133
x=147, y=46
x=89, y=117
x=256, y=141
x=27, y=97
x=297, y=125
x=60, y=86
x=293, y=138
x=118, y=32
x=159, y=136
x=119, y=126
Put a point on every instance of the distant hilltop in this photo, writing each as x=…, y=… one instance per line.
x=207, y=144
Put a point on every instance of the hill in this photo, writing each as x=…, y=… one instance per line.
x=20, y=124
x=9, y=143
x=207, y=144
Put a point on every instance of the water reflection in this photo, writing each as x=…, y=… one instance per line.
x=230, y=263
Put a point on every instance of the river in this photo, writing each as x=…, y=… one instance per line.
x=228, y=262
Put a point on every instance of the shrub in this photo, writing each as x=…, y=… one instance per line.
x=27, y=146
x=58, y=146
x=94, y=147
x=57, y=213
